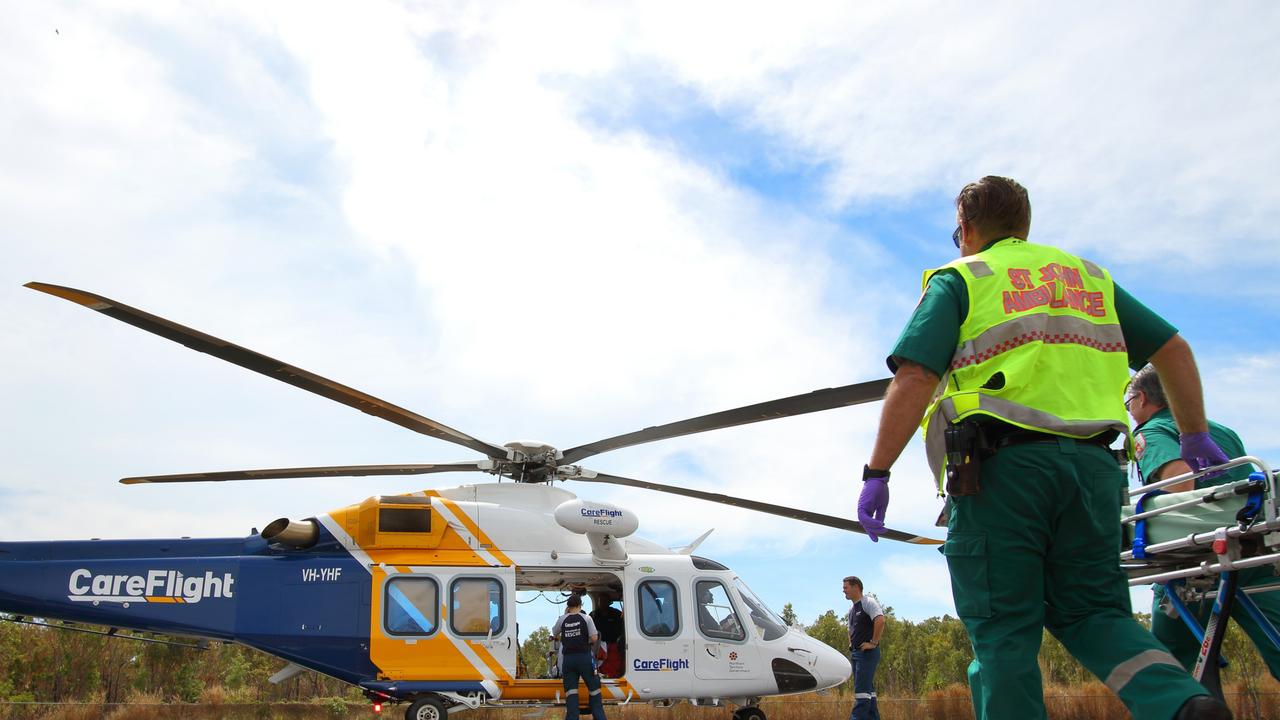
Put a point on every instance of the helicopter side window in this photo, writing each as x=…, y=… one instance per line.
x=404, y=520
x=716, y=616
x=411, y=606
x=477, y=606
x=659, y=616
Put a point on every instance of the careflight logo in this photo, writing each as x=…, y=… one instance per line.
x=601, y=516
x=660, y=665
x=157, y=586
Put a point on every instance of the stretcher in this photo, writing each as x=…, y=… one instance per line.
x=1195, y=544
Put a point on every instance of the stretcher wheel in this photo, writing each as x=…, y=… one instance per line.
x=426, y=708
x=748, y=713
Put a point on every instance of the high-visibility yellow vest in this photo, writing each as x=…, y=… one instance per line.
x=1041, y=347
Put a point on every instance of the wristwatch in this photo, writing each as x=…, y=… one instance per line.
x=868, y=472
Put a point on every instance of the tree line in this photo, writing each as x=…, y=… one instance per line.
x=919, y=657
x=48, y=665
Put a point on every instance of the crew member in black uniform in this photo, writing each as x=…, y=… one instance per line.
x=578, y=638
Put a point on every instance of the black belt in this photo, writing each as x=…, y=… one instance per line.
x=1001, y=437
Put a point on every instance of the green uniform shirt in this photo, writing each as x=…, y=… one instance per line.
x=931, y=335
x=1155, y=444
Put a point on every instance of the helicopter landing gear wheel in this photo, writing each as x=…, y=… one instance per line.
x=748, y=713
x=426, y=708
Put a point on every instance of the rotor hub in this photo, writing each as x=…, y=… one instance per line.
x=530, y=461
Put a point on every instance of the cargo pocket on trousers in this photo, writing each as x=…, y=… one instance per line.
x=967, y=561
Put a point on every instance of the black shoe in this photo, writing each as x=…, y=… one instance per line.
x=1203, y=707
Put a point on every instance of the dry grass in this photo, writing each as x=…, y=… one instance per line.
x=950, y=702
x=1090, y=701
x=214, y=695
x=1257, y=699
x=74, y=712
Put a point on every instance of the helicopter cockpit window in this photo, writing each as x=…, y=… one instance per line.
x=411, y=606
x=658, y=614
x=768, y=624
x=477, y=606
x=716, y=616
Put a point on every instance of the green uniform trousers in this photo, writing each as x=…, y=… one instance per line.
x=1038, y=547
x=1178, y=638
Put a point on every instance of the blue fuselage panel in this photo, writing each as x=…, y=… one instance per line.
x=308, y=606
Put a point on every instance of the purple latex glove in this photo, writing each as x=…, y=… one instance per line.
x=1199, y=451
x=872, y=504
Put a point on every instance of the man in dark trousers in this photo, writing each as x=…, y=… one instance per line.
x=1014, y=363
x=578, y=638
x=866, y=623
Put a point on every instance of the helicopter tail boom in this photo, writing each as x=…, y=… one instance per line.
x=183, y=587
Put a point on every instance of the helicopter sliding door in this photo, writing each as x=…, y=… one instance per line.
x=454, y=624
x=481, y=616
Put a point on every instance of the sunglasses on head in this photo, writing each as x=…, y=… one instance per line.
x=955, y=236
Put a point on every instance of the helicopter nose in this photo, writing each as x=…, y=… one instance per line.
x=832, y=667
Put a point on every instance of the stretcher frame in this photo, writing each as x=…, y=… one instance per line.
x=1206, y=565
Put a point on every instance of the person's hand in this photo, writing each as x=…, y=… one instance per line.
x=868, y=646
x=1199, y=451
x=872, y=504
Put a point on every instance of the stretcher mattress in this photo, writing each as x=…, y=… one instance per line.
x=1177, y=524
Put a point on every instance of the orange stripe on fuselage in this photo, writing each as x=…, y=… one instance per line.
x=489, y=660
x=438, y=656
x=544, y=689
x=485, y=542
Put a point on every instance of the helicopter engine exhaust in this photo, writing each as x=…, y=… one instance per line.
x=295, y=534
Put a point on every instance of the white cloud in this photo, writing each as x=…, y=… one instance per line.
x=1118, y=118
x=1239, y=392
x=581, y=278
x=922, y=580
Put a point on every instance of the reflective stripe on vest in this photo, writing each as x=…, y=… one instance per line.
x=1041, y=347
x=1049, y=329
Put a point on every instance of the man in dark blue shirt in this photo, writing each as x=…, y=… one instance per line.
x=866, y=623
x=578, y=637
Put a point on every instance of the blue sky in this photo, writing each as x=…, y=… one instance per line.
x=567, y=221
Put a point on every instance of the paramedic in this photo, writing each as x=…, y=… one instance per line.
x=577, y=635
x=1155, y=447
x=866, y=624
x=1034, y=345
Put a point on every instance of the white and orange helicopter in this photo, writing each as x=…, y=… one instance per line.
x=413, y=597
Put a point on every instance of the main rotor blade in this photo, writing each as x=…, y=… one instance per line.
x=310, y=472
x=787, y=512
x=270, y=367
x=825, y=399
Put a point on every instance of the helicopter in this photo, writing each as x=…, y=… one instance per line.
x=412, y=597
